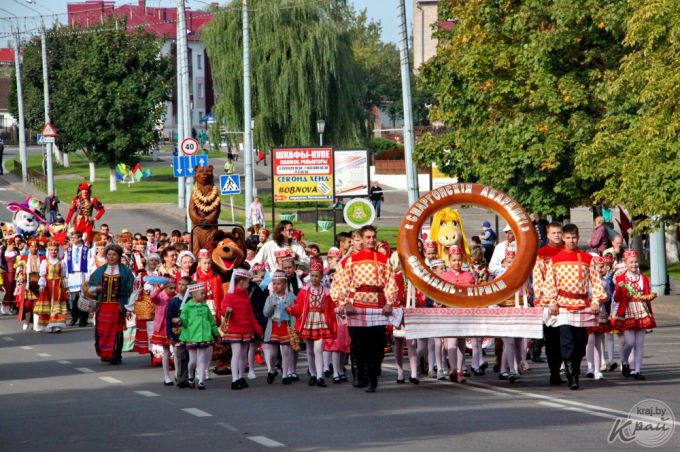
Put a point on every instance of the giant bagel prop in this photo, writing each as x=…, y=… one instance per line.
x=487, y=294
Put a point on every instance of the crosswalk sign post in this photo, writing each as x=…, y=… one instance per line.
x=230, y=184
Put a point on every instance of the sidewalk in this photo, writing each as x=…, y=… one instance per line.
x=668, y=305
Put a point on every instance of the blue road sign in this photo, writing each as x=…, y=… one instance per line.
x=40, y=139
x=183, y=165
x=230, y=184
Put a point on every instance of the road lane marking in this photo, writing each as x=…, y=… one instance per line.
x=110, y=380
x=227, y=426
x=264, y=441
x=63, y=361
x=196, y=412
x=485, y=391
x=147, y=393
x=571, y=405
x=8, y=339
x=44, y=355
x=26, y=347
x=85, y=370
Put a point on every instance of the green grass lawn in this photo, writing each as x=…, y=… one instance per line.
x=674, y=271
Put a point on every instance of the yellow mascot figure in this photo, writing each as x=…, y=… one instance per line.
x=447, y=230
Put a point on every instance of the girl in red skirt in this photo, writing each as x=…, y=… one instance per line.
x=160, y=297
x=634, y=313
x=596, y=334
x=278, y=333
x=239, y=325
x=315, y=321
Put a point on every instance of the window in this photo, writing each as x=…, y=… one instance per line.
x=200, y=91
x=199, y=61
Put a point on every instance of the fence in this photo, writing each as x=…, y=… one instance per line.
x=34, y=177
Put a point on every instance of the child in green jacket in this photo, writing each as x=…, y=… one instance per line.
x=199, y=332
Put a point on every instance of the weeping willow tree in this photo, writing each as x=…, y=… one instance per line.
x=302, y=70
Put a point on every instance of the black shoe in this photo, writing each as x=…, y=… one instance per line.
x=72, y=322
x=242, y=382
x=513, y=378
x=168, y=383
x=337, y=380
x=312, y=381
x=201, y=386
x=286, y=380
x=613, y=367
x=271, y=376
x=625, y=370
x=478, y=372
x=638, y=376
x=182, y=384
x=572, y=375
x=321, y=383
x=590, y=375
x=496, y=367
x=235, y=386
x=504, y=376
x=401, y=382
x=414, y=381
x=343, y=377
x=484, y=366
x=466, y=372
x=360, y=384
x=294, y=377
x=192, y=384
x=371, y=388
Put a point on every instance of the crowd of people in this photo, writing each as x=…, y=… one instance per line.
x=149, y=294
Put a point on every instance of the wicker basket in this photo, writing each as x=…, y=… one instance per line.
x=86, y=304
x=144, y=307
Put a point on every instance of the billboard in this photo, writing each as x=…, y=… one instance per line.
x=302, y=174
x=351, y=172
x=439, y=179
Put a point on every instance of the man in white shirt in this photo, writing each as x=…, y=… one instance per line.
x=76, y=260
x=496, y=263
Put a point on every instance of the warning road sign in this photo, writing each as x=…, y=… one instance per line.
x=230, y=184
x=48, y=130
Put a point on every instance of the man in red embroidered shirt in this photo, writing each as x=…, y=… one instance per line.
x=364, y=285
x=573, y=294
x=551, y=335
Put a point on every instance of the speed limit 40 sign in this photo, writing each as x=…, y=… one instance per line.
x=189, y=146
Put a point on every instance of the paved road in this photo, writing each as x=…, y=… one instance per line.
x=55, y=395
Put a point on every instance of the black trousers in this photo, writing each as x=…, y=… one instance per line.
x=368, y=349
x=76, y=314
x=573, y=342
x=182, y=364
x=553, y=351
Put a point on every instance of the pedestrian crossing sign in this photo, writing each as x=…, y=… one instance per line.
x=230, y=184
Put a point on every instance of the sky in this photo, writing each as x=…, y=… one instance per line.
x=384, y=11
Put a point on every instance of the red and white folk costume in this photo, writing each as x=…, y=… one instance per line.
x=214, y=288
x=633, y=315
x=27, y=277
x=82, y=210
x=52, y=303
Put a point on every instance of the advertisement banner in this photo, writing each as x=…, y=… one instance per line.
x=439, y=179
x=351, y=172
x=303, y=174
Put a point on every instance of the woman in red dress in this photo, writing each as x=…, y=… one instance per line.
x=52, y=303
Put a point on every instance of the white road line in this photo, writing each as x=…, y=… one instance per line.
x=85, y=370
x=8, y=339
x=196, y=412
x=227, y=426
x=63, y=361
x=264, y=441
x=44, y=355
x=584, y=407
x=26, y=347
x=110, y=380
x=147, y=393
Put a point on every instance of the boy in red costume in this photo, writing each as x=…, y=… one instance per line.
x=82, y=207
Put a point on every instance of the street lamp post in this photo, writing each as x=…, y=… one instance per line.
x=253, y=150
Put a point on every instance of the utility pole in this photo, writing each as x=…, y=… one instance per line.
x=186, y=105
x=247, y=115
x=20, y=101
x=46, y=90
x=180, y=108
x=409, y=141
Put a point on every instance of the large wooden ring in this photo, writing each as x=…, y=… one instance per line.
x=487, y=294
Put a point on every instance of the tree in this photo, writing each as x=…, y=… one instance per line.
x=519, y=85
x=302, y=69
x=636, y=151
x=111, y=94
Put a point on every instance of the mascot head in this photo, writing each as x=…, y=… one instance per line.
x=447, y=230
x=229, y=250
x=27, y=217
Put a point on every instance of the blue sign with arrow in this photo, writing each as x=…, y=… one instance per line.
x=183, y=165
x=230, y=184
